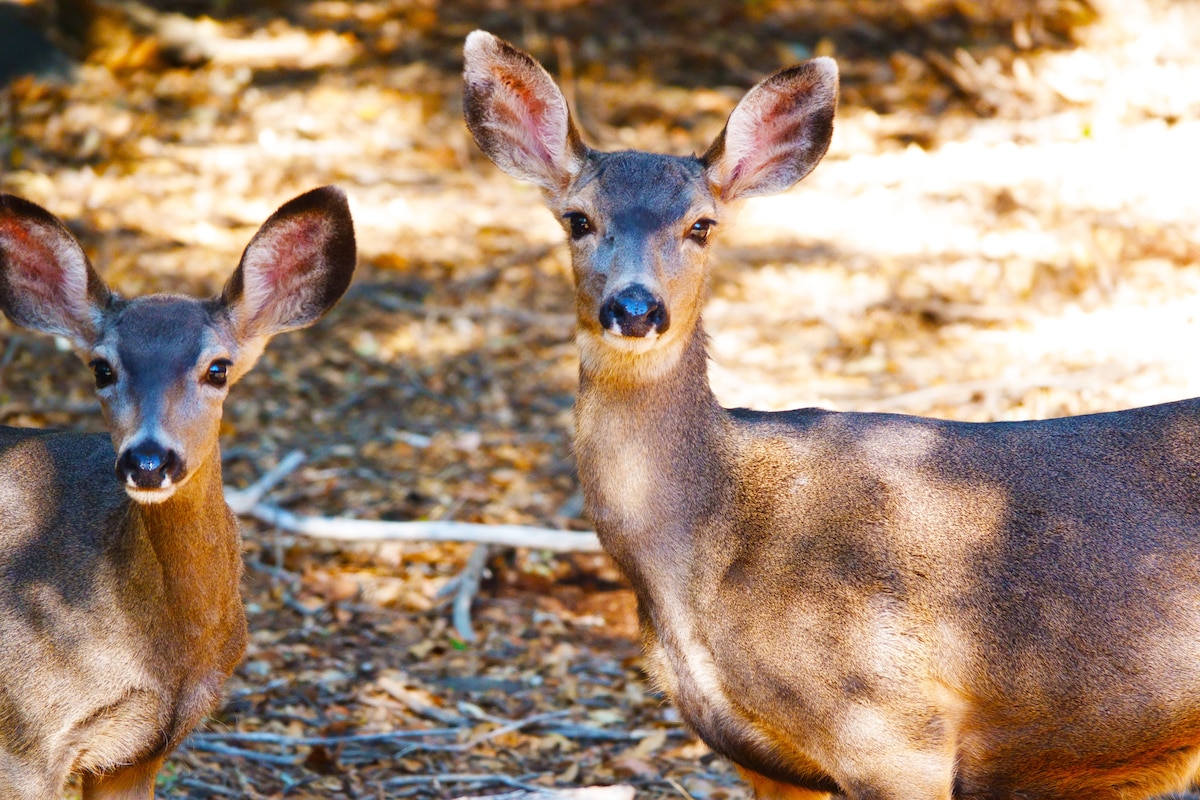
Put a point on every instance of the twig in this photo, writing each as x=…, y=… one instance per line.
x=348, y=529
x=243, y=500
x=614, y=792
x=212, y=741
x=249, y=502
x=679, y=788
x=459, y=777
x=415, y=702
x=573, y=731
x=515, y=725
x=468, y=586
x=289, y=742
x=475, y=741
x=249, y=755
x=192, y=783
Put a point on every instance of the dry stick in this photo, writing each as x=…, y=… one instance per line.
x=347, y=529
x=192, y=783
x=457, y=777
x=475, y=741
x=212, y=742
x=248, y=503
x=241, y=501
x=614, y=792
x=468, y=586
x=239, y=752
x=288, y=742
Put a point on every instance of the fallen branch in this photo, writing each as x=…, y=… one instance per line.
x=467, y=587
x=475, y=741
x=248, y=502
x=457, y=777
x=615, y=792
x=241, y=501
x=215, y=741
x=208, y=788
x=290, y=742
x=249, y=755
x=347, y=529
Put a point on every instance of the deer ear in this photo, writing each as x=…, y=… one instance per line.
x=777, y=133
x=517, y=115
x=47, y=283
x=295, y=268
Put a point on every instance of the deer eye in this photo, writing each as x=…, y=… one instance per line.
x=218, y=372
x=700, y=230
x=103, y=371
x=580, y=225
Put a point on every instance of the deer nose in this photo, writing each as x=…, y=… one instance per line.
x=149, y=465
x=634, y=311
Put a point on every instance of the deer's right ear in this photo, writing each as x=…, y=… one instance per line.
x=517, y=115
x=777, y=133
x=47, y=283
x=295, y=268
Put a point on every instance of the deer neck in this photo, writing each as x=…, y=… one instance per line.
x=190, y=546
x=649, y=436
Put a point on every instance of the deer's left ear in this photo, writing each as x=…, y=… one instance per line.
x=295, y=268
x=777, y=133
x=47, y=283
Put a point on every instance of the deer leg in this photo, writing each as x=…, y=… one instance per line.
x=135, y=782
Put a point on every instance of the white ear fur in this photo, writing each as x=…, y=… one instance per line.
x=777, y=133
x=517, y=114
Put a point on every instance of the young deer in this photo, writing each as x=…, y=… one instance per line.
x=120, y=616
x=868, y=605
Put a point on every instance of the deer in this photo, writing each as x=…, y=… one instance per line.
x=120, y=612
x=859, y=605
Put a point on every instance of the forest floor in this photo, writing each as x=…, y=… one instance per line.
x=1006, y=227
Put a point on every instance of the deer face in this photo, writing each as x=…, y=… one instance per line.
x=164, y=363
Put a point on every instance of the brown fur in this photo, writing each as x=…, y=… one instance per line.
x=120, y=615
x=874, y=606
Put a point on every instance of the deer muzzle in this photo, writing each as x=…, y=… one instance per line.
x=635, y=312
x=148, y=466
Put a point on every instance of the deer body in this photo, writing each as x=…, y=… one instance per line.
x=120, y=613
x=166, y=649
x=872, y=606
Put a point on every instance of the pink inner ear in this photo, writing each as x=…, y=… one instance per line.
x=279, y=264
x=522, y=106
x=769, y=142
x=762, y=134
x=297, y=242
x=527, y=113
x=28, y=254
x=40, y=265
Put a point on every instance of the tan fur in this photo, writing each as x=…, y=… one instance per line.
x=869, y=606
x=120, y=611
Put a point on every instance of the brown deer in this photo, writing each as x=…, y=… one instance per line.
x=120, y=617
x=875, y=606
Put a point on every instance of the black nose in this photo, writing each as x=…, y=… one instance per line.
x=148, y=465
x=634, y=312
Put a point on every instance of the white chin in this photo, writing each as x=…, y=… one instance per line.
x=630, y=344
x=150, y=496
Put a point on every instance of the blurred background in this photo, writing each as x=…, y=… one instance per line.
x=1006, y=226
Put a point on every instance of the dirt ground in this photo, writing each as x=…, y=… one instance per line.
x=1005, y=227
